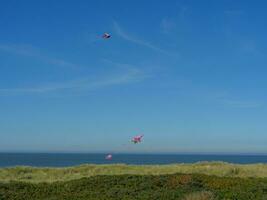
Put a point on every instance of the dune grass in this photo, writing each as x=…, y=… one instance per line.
x=199, y=181
x=137, y=187
x=202, y=195
x=35, y=175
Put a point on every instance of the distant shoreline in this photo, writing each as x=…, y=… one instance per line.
x=76, y=159
x=144, y=153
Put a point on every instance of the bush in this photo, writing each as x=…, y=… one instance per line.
x=203, y=195
x=140, y=187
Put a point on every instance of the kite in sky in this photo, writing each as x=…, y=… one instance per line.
x=137, y=139
x=109, y=157
x=106, y=36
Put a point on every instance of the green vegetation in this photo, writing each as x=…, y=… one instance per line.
x=30, y=174
x=146, y=187
x=200, y=181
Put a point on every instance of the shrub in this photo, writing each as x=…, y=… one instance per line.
x=203, y=195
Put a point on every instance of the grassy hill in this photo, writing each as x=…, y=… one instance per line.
x=146, y=187
x=200, y=181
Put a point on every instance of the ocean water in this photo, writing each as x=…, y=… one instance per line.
x=68, y=159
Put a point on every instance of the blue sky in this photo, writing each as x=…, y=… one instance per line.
x=190, y=75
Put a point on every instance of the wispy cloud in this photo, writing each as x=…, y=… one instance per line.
x=82, y=85
x=228, y=99
x=217, y=96
x=242, y=104
x=233, y=12
x=30, y=51
x=250, y=47
x=126, y=36
x=167, y=25
x=20, y=49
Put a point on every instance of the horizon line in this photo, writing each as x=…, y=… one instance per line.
x=137, y=153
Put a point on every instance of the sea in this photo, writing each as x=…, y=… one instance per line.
x=73, y=159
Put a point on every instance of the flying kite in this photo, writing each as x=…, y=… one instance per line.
x=106, y=36
x=137, y=139
x=108, y=157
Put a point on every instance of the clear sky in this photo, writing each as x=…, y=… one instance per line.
x=190, y=75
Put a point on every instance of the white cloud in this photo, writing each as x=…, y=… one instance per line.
x=242, y=104
x=167, y=25
x=30, y=51
x=126, y=36
x=24, y=50
x=233, y=12
x=129, y=74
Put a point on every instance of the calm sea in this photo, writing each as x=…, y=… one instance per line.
x=64, y=159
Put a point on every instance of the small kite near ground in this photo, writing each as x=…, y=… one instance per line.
x=108, y=157
x=137, y=139
x=106, y=36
